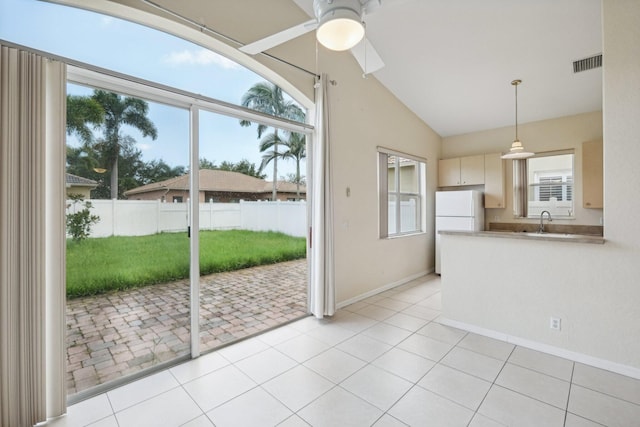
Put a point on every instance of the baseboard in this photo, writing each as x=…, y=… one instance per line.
x=608, y=365
x=376, y=291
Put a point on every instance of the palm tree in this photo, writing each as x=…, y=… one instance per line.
x=121, y=111
x=295, y=149
x=268, y=98
x=297, y=144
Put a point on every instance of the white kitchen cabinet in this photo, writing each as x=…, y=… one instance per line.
x=458, y=171
x=494, y=181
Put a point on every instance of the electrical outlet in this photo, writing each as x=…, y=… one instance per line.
x=555, y=323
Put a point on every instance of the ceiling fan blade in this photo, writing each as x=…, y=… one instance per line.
x=279, y=38
x=369, y=60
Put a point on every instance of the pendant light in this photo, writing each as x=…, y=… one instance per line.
x=339, y=23
x=517, y=150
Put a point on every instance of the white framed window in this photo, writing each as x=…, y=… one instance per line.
x=546, y=183
x=401, y=189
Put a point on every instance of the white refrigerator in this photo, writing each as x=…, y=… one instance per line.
x=457, y=210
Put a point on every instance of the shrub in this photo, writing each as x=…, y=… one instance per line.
x=79, y=223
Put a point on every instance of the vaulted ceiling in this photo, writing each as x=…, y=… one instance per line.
x=452, y=61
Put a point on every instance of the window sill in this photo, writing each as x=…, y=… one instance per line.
x=408, y=234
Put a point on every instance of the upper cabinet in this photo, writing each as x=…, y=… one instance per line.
x=461, y=171
x=494, y=181
x=449, y=172
x=472, y=170
x=592, y=167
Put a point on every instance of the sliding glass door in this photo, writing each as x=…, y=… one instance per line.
x=128, y=306
x=185, y=224
x=252, y=247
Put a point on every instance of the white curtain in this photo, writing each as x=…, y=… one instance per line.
x=23, y=237
x=322, y=295
x=520, y=196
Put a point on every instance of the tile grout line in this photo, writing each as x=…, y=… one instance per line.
x=573, y=368
x=493, y=383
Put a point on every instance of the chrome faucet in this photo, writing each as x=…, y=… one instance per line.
x=541, y=228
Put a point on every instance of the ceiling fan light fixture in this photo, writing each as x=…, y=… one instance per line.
x=517, y=150
x=339, y=23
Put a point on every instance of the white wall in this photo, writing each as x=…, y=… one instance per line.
x=594, y=288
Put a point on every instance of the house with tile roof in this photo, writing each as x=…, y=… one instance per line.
x=78, y=185
x=216, y=186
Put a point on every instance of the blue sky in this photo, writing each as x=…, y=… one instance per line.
x=152, y=55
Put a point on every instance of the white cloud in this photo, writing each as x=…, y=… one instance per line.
x=199, y=57
x=144, y=147
x=106, y=21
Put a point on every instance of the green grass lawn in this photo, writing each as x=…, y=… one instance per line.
x=99, y=265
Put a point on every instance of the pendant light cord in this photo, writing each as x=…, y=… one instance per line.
x=516, y=83
x=516, y=111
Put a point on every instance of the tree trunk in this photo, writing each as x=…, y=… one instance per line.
x=114, y=179
x=274, y=195
x=298, y=179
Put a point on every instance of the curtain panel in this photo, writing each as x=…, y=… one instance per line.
x=322, y=298
x=23, y=209
x=520, y=195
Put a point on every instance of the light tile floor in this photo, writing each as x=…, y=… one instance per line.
x=384, y=361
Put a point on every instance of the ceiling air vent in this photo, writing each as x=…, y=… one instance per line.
x=587, y=63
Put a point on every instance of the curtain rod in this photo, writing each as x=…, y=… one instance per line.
x=204, y=28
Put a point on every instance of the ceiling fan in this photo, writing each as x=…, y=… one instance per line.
x=328, y=13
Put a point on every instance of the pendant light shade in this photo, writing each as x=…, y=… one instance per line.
x=339, y=23
x=517, y=151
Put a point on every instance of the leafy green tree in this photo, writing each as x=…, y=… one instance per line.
x=206, y=164
x=158, y=170
x=292, y=178
x=120, y=111
x=85, y=161
x=269, y=99
x=83, y=111
x=244, y=167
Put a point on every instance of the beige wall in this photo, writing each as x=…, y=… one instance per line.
x=364, y=115
x=547, y=135
x=85, y=192
x=593, y=288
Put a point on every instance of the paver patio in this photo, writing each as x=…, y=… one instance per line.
x=119, y=333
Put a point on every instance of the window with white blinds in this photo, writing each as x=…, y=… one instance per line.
x=550, y=184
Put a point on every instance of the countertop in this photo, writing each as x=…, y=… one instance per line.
x=549, y=237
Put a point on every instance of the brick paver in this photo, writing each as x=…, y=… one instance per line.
x=119, y=333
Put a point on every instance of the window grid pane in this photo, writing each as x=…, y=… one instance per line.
x=404, y=195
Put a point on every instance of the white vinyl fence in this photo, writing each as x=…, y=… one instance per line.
x=144, y=217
